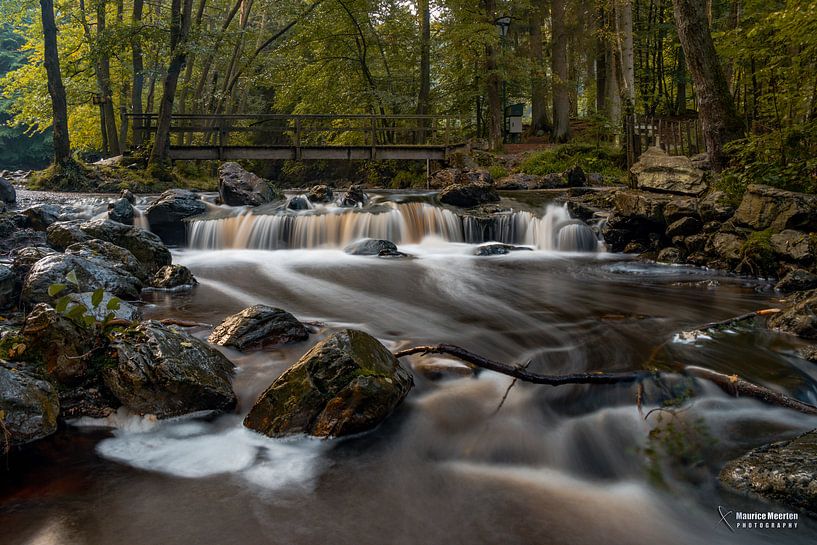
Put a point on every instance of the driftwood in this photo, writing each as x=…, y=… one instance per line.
x=731, y=384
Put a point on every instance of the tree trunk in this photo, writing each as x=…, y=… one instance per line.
x=138, y=72
x=104, y=82
x=624, y=26
x=601, y=64
x=492, y=81
x=51, y=60
x=681, y=83
x=539, y=117
x=180, y=16
x=559, y=67
x=719, y=121
x=423, y=97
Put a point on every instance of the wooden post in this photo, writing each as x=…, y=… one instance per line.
x=374, y=137
x=447, y=131
x=658, y=135
x=221, y=135
x=297, y=138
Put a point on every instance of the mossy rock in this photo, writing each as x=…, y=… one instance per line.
x=346, y=384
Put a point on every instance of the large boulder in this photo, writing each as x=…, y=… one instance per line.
x=519, y=180
x=462, y=176
x=8, y=194
x=258, y=325
x=797, y=280
x=346, y=384
x=144, y=245
x=660, y=172
x=121, y=211
x=92, y=273
x=793, y=246
x=29, y=407
x=373, y=246
x=173, y=277
x=113, y=255
x=468, y=195
x=765, y=207
x=166, y=373
x=716, y=206
x=354, y=197
x=783, y=473
x=320, y=193
x=40, y=216
x=166, y=215
x=575, y=177
x=727, y=247
x=62, y=234
x=239, y=187
x=800, y=319
x=25, y=258
x=15, y=232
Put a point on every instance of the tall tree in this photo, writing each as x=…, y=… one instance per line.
x=624, y=31
x=561, y=74
x=104, y=79
x=719, y=121
x=59, y=105
x=180, y=19
x=424, y=95
x=492, y=82
x=137, y=63
x=539, y=116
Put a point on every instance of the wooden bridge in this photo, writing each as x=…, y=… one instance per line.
x=309, y=137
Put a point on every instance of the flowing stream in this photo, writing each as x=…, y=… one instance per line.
x=553, y=465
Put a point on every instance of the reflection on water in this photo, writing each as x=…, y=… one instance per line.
x=554, y=465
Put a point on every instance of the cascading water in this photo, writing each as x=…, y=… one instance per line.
x=402, y=223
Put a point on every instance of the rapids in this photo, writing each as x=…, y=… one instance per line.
x=554, y=465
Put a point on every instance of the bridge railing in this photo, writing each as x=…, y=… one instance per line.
x=673, y=135
x=299, y=131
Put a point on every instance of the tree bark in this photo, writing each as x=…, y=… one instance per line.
x=492, y=82
x=180, y=15
x=424, y=95
x=719, y=121
x=601, y=63
x=559, y=67
x=624, y=27
x=138, y=71
x=59, y=105
x=104, y=81
x=539, y=115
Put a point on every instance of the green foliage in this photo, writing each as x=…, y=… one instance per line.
x=497, y=171
x=79, y=313
x=606, y=160
x=758, y=253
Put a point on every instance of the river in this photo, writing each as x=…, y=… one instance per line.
x=568, y=464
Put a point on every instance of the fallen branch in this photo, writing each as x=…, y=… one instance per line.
x=183, y=323
x=731, y=384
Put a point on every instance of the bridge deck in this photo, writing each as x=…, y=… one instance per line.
x=310, y=137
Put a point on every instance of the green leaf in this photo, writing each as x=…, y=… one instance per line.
x=96, y=298
x=76, y=312
x=113, y=303
x=55, y=289
x=89, y=320
x=62, y=304
x=72, y=277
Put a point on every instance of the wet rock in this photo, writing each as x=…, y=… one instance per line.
x=144, y=245
x=354, y=196
x=670, y=255
x=238, y=187
x=518, y=181
x=346, y=384
x=716, y=206
x=657, y=171
x=101, y=312
x=372, y=246
x=128, y=194
x=726, y=246
x=680, y=208
x=765, y=207
x=696, y=243
x=575, y=177
x=808, y=353
x=783, y=473
x=163, y=372
x=121, y=211
x=497, y=249
x=16, y=233
x=298, y=202
x=463, y=176
x=57, y=343
x=9, y=293
x=468, y=195
x=684, y=227
x=797, y=280
x=25, y=258
x=115, y=256
x=320, y=194
x=8, y=194
x=172, y=277
x=800, y=319
x=92, y=273
x=62, y=234
x=29, y=406
x=793, y=246
x=258, y=325
x=40, y=216
x=166, y=214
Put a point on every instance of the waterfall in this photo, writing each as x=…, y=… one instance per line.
x=402, y=223
x=140, y=219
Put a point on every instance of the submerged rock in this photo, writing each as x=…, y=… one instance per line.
x=298, y=202
x=372, y=246
x=320, y=194
x=800, y=320
x=469, y=195
x=92, y=274
x=258, y=325
x=497, y=249
x=29, y=407
x=239, y=187
x=658, y=171
x=784, y=473
x=166, y=215
x=354, y=196
x=121, y=211
x=346, y=384
x=797, y=280
x=173, y=277
x=163, y=372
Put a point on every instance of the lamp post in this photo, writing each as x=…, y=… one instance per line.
x=503, y=24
